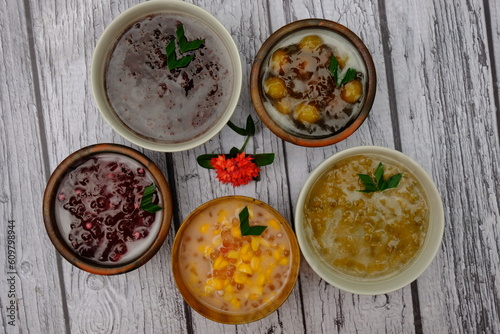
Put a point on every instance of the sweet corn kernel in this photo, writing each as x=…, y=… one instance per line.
x=261, y=279
x=218, y=284
x=257, y=290
x=284, y=261
x=217, y=241
x=201, y=249
x=204, y=228
x=264, y=242
x=217, y=232
x=208, y=250
x=220, y=263
x=209, y=289
x=247, y=256
x=240, y=278
x=277, y=255
x=254, y=263
x=236, y=232
x=255, y=243
x=221, y=216
x=236, y=302
x=274, y=224
x=232, y=254
x=227, y=282
x=245, y=268
x=229, y=289
x=253, y=296
x=228, y=297
x=245, y=248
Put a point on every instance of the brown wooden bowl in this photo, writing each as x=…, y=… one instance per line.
x=228, y=317
x=260, y=64
x=51, y=223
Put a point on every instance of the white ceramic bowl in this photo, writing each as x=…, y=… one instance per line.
x=106, y=45
x=396, y=280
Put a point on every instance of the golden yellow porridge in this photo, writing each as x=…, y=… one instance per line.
x=231, y=272
x=366, y=235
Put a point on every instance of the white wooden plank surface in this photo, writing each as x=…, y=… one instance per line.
x=445, y=107
x=22, y=181
x=64, y=37
x=341, y=311
x=438, y=66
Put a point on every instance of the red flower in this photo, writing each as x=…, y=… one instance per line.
x=237, y=171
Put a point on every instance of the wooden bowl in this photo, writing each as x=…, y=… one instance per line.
x=203, y=307
x=61, y=242
x=276, y=121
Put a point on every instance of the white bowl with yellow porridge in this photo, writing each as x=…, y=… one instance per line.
x=369, y=220
x=233, y=269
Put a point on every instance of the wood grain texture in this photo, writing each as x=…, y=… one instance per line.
x=248, y=25
x=340, y=311
x=65, y=35
x=446, y=112
x=22, y=180
x=438, y=64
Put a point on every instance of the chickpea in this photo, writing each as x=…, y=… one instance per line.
x=352, y=91
x=275, y=87
x=306, y=112
x=310, y=42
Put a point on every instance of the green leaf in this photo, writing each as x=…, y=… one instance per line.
x=393, y=181
x=234, y=152
x=237, y=129
x=250, y=126
x=184, y=45
x=349, y=76
x=379, y=174
x=367, y=181
x=204, y=160
x=147, y=197
x=334, y=68
x=379, y=184
x=245, y=227
x=172, y=61
x=263, y=159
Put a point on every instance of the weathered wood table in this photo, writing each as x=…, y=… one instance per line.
x=438, y=65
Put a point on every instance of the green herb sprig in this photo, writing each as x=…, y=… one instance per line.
x=262, y=159
x=184, y=46
x=245, y=227
x=377, y=183
x=350, y=74
x=146, y=201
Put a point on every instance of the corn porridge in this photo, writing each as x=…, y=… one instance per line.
x=231, y=272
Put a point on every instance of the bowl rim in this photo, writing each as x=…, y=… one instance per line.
x=267, y=46
x=231, y=318
x=105, y=46
x=422, y=260
x=50, y=222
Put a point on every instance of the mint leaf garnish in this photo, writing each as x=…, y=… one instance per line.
x=377, y=183
x=146, y=201
x=350, y=75
x=184, y=46
x=245, y=227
